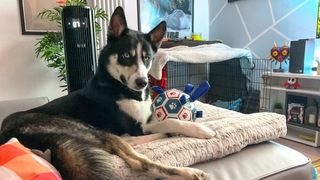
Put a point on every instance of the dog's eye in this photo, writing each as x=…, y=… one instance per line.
x=147, y=57
x=126, y=55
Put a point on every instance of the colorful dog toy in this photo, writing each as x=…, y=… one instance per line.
x=176, y=104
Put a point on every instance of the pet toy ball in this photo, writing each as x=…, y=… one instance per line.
x=176, y=104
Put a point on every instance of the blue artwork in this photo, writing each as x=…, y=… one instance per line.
x=177, y=14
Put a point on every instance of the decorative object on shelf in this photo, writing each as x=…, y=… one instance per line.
x=277, y=108
x=196, y=37
x=295, y=113
x=296, y=105
x=312, y=113
x=292, y=83
x=50, y=46
x=279, y=55
x=176, y=104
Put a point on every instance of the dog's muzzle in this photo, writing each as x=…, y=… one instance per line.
x=141, y=83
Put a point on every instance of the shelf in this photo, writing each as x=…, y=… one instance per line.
x=295, y=75
x=293, y=138
x=310, y=88
x=300, y=91
x=305, y=126
x=296, y=133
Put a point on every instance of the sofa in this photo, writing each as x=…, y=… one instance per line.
x=266, y=160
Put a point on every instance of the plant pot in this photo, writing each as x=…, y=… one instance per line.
x=278, y=110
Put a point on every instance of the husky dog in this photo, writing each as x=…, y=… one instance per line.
x=82, y=129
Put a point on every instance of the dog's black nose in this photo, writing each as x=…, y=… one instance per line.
x=141, y=82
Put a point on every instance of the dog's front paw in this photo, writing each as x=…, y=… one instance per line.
x=203, y=132
x=194, y=174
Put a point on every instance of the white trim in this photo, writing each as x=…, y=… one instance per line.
x=281, y=34
x=219, y=12
x=271, y=12
x=277, y=22
x=291, y=12
x=243, y=22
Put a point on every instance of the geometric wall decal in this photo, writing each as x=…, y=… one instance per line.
x=228, y=27
x=262, y=45
x=282, y=7
x=255, y=24
x=257, y=16
x=302, y=22
x=215, y=7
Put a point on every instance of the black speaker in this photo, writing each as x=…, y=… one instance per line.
x=79, y=45
x=301, y=56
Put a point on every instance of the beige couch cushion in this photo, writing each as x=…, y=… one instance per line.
x=11, y=106
x=268, y=161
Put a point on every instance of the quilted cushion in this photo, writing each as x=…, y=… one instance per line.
x=18, y=162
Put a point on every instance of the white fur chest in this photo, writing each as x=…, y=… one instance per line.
x=139, y=110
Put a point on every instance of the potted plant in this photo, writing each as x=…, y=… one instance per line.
x=277, y=108
x=50, y=46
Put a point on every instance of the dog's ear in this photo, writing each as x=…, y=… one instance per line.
x=117, y=24
x=156, y=35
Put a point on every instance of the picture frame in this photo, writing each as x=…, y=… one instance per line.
x=177, y=13
x=30, y=23
x=295, y=105
x=296, y=113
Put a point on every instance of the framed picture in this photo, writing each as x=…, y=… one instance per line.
x=296, y=108
x=177, y=13
x=30, y=23
x=295, y=113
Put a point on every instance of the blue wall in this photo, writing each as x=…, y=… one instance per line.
x=256, y=24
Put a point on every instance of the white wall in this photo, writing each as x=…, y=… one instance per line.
x=24, y=76
x=201, y=18
x=21, y=74
x=131, y=11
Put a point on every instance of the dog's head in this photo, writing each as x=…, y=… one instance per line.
x=128, y=55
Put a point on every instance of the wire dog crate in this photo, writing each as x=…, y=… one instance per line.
x=235, y=84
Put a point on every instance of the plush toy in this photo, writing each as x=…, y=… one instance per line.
x=176, y=104
x=292, y=83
